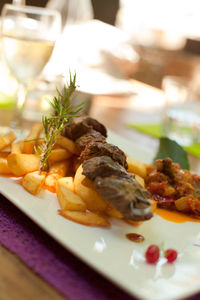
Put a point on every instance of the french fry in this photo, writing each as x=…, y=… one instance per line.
x=7, y=139
x=111, y=211
x=68, y=199
x=68, y=182
x=56, y=146
x=33, y=182
x=136, y=167
x=39, y=142
x=51, y=181
x=85, y=218
x=149, y=168
x=56, y=171
x=140, y=180
x=58, y=155
x=153, y=205
x=4, y=169
x=91, y=197
x=21, y=164
x=4, y=154
x=61, y=168
x=68, y=144
x=133, y=223
x=17, y=147
x=7, y=149
x=30, y=140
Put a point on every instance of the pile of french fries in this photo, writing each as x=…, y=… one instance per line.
x=77, y=198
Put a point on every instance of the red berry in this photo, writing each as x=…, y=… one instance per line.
x=171, y=255
x=152, y=254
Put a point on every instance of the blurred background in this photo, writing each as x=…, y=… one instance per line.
x=140, y=59
x=165, y=34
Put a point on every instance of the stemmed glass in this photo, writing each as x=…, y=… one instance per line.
x=28, y=37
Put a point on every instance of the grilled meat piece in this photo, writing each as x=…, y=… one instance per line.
x=103, y=166
x=95, y=149
x=126, y=194
x=90, y=136
x=167, y=167
x=81, y=126
x=119, y=187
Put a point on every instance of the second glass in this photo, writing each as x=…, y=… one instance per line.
x=181, y=119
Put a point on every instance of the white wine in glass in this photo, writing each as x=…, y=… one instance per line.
x=28, y=37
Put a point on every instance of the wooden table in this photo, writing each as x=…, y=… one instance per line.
x=17, y=282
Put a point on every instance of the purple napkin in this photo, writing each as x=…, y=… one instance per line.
x=51, y=261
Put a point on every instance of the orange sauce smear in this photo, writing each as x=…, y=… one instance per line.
x=175, y=216
x=49, y=188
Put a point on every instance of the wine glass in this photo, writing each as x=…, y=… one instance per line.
x=28, y=37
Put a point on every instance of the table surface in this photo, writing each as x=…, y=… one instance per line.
x=114, y=112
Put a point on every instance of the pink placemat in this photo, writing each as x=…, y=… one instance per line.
x=71, y=277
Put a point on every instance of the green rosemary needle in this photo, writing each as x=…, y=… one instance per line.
x=61, y=117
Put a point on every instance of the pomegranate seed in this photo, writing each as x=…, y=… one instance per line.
x=171, y=255
x=152, y=254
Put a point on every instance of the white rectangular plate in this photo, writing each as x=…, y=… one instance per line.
x=111, y=253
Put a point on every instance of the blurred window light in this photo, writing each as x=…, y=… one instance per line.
x=169, y=21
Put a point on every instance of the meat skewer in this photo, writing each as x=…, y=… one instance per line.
x=105, y=165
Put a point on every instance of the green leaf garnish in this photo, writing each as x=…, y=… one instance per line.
x=171, y=149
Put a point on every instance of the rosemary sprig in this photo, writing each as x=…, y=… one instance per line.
x=63, y=112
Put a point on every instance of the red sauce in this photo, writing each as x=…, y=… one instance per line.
x=135, y=237
x=165, y=202
x=168, y=211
